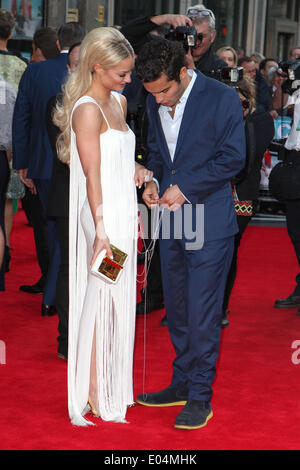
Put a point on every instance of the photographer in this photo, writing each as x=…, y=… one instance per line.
x=200, y=57
x=291, y=88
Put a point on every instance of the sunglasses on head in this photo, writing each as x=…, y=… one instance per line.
x=195, y=12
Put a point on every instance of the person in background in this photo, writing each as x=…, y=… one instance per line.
x=262, y=94
x=12, y=68
x=294, y=53
x=58, y=208
x=229, y=55
x=33, y=156
x=44, y=47
x=292, y=156
x=265, y=66
x=240, y=52
x=7, y=102
x=257, y=58
x=259, y=130
x=201, y=57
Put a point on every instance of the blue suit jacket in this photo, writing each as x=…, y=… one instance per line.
x=31, y=146
x=210, y=151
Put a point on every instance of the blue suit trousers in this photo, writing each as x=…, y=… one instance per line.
x=194, y=284
x=49, y=297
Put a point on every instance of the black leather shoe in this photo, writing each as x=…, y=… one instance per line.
x=34, y=289
x=151, y=305
x=48, y=310
x=292, y=301
x=62, y=356
x=194, y=415
x=7, y=258
x=167, y=397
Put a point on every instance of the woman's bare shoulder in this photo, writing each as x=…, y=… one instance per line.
x=87, y=115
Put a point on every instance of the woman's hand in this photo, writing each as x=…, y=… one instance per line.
x=101, y=244
x=142, y=175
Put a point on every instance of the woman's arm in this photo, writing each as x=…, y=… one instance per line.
x=142, y=175
x=88, y=124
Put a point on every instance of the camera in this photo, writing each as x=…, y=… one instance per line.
x=228, y=74
x=187, y=35
x=291, y=69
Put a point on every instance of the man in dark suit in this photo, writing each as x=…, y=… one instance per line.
x=44, y=47
x=33, y=156
x=196, y=145
x=58, y=208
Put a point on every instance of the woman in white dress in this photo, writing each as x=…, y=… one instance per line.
x=99, y=147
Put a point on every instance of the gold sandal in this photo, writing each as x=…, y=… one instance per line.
x=93, y=411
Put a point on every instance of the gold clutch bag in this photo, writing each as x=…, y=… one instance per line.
x=110, y=269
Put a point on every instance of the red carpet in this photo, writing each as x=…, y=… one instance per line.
x=256, y=392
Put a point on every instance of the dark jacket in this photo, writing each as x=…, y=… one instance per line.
x=138, y=32
x=210, y=62
x=31, y=146
x=259, y=129
x=263, y=95
x=58, y=200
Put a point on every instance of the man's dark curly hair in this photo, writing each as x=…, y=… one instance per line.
x=160, y=56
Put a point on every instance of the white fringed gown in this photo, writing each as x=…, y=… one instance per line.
x=101, y=315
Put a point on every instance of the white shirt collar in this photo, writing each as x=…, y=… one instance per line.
x=186, y=93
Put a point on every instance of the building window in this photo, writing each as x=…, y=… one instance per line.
x=228, y=14
x=126, y=11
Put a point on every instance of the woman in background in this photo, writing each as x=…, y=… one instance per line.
x=7, y=103
x=229, y=55
x=259, y=128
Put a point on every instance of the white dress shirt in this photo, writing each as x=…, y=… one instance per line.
x=171, y=126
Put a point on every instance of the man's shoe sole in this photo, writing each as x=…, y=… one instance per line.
x=191, y=428
x=161, y=405
x=287, y=306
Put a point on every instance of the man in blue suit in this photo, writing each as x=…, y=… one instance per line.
x=196, y=145
x=33, y=156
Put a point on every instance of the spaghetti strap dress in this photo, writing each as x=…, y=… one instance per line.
x=102, y=315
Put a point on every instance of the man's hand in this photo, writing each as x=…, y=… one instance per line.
x=173, y=20
x=172, y=199
x=27, y=181
x=150, y=195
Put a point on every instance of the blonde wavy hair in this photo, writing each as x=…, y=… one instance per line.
x=105, y=46
x=246, y=87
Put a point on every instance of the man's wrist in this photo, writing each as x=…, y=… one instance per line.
x=154, y=180
x=159, y=20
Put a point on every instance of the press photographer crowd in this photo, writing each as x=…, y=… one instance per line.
x=210, y=148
